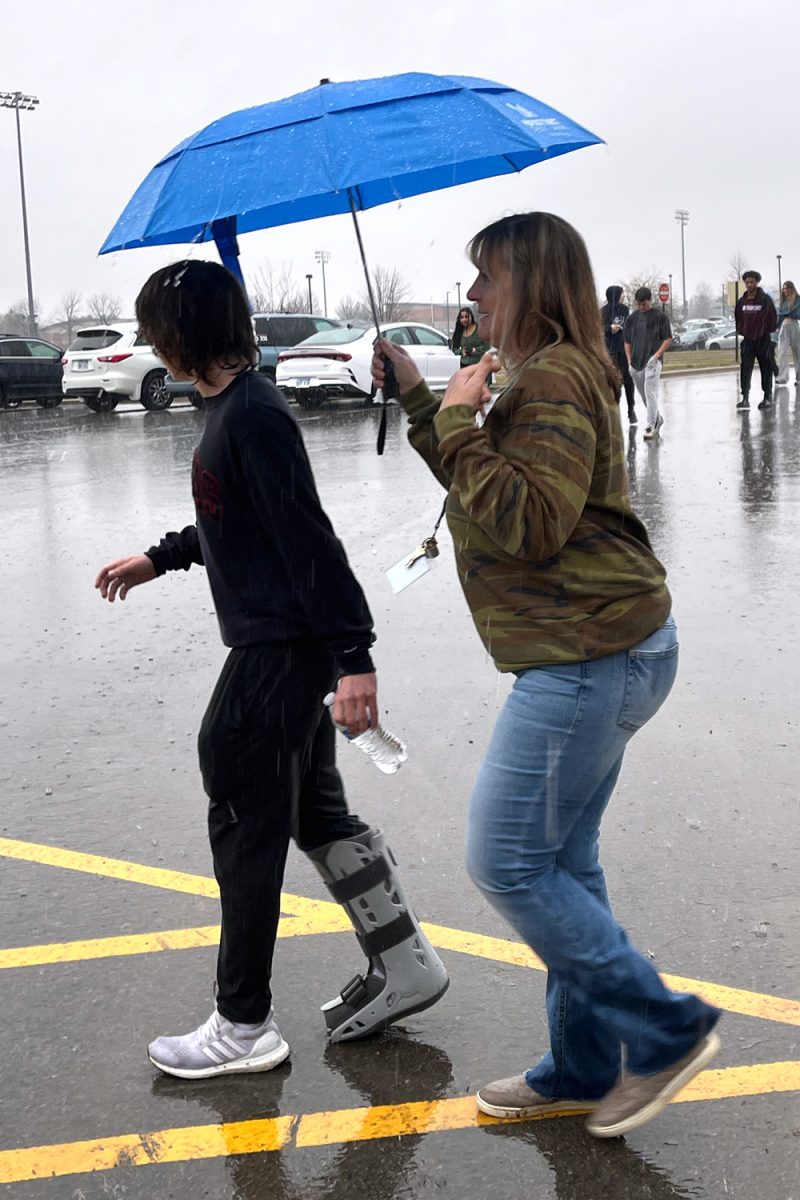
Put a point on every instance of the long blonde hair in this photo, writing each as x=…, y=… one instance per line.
x=791, y=299
x=553, y=294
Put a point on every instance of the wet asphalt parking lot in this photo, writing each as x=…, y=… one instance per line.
x=109, y=914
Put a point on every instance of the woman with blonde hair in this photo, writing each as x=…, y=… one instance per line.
x=788, y=332
x=568, y=596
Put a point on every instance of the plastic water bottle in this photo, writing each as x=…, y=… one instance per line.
x=381, y=747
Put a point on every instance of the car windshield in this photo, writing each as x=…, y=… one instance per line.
x=334, y=337
x=95, y=339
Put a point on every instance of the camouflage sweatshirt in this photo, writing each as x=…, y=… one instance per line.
x=555, y=565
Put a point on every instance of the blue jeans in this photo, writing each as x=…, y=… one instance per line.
x=534, y=827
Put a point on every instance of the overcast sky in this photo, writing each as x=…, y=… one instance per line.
x=695, y=101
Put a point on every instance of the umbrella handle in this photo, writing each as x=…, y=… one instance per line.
x=390, y=390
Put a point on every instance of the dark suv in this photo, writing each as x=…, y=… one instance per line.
x=281, y=331
x=30, y=369
x=274, y=332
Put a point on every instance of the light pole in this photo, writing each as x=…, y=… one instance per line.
x=458, y=293
x=671, y=310
x=17, y=100
x=310, y=304
x=322, y=257
x=447, y=309
x=780, y=281
x=682, y=217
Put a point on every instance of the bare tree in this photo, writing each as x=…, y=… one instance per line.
x=736, y=264
x=352, y=308
x=649, y=279
x=67, y=310
x=389, y=290
x=276, y=290
x=104, y=307
x=702, y=301
x=15, y=319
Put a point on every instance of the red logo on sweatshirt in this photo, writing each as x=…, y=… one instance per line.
x=206, y=491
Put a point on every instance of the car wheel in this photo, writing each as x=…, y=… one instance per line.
x=154, y=396
x=310, y=397
x=7, y=401
x=715, y=346
x=49, y=401
x=105, y=402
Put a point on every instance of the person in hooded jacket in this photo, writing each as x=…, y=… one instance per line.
x=756, y=319
x=612, y=316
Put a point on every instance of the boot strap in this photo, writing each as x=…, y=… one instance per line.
x=363, y=880
x=385, y=937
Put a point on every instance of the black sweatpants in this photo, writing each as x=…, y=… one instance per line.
x=761, y=349
x=621, y=363
x=268, y=758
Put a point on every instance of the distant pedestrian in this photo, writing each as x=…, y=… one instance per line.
x=613, y=316
x=467, y=342
x=646, y=336
x=789, y=336
x=756, y=319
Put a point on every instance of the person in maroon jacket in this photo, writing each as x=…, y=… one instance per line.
x=756, y=319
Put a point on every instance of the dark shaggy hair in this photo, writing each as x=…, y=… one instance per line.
x=553, y=295
x=196, y=315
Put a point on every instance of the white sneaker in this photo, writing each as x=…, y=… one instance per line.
x=220, y=1047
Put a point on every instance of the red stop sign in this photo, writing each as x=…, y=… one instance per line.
x=663, y=292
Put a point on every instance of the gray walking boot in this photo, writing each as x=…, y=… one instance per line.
x=405, y=974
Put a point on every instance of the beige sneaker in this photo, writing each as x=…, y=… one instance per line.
x=636, y=1099
x=513, y=1098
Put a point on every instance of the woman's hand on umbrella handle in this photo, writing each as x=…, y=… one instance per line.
x=470, y=384
x=406, y=370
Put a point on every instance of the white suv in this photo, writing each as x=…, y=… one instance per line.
x=107, y=363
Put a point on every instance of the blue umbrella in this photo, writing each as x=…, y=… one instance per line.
x=339, y=147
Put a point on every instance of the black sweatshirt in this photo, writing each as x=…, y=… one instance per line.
x=276, y=568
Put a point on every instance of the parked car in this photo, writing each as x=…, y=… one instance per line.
x=106, y=363
x=30, y=369
x=337, y=363
x=723, y=339
x=274, y=332
x=691, y=337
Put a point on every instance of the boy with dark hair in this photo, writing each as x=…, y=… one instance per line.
x=646, y=335
x=756, y=319
x=296, y=620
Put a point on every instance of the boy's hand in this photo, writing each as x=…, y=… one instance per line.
x=123, y=574
x=356, y=703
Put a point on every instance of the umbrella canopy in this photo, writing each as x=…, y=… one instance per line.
x=336, y=148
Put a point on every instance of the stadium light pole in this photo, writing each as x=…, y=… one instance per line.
x=322, y=257
x=17, y=101
x=310, y=303
x=682, y=217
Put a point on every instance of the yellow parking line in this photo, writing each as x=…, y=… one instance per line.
x=133, y=943
x=323, y=916
x=337, y=1127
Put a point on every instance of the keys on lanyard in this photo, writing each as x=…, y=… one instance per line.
x=427, y=549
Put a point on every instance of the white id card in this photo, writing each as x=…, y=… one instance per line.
x=401, y=574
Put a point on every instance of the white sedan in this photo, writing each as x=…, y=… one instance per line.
x=723, y=339
x=337, y=362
